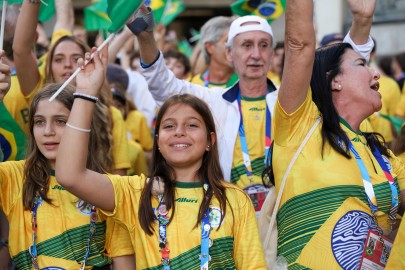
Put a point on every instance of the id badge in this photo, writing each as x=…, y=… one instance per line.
x=257, y=194
x=373, y=256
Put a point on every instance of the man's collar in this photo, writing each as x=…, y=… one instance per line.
x=232, y=93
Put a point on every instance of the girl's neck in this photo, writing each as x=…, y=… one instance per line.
x=186, y=175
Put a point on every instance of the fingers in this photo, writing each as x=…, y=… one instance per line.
x=104, y=56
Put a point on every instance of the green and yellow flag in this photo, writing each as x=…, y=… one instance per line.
x=158, y=8
x=46, y=11
x=119, y=12
x=96, y=17
x=12, y=138
x=267, y=9
x=172, y=9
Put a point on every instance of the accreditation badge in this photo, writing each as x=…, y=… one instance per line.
x=374, y=256
x=257, y=194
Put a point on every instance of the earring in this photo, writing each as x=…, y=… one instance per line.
x=208, y=148
x=340, y=86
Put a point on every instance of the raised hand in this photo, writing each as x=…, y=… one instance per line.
x=5, y=79
x=91, y=78
x=362, y=8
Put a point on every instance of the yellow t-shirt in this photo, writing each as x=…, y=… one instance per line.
x=138, y=129
x=254, y=120
x=63, y=227
x=391, y=95
x=137, y=159
x=236, y=245
x=120, y=141
x=274, y=78
x=324, y=209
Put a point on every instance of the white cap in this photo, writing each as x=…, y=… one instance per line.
x=246, y=24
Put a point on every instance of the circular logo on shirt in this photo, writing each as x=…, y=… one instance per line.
x=348, y=237
x=215, y=217
x=52, y=268
x=84, y=210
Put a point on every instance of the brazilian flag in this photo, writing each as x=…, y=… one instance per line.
x=46, y=10
x=172, y=9
x=158, y=8
x=119, y=12
x=267, y=9
x=12, y=137
x=96, y=17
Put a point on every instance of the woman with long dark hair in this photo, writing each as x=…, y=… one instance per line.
x=345, y=187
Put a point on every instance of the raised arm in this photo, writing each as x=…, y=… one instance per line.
x=118, y=43
x=147, y=44
x=362, y=12
x=4, y=78
x=65, y=17
x=24, y=41
x=71, y=170
x=299, y=54
x=359, y=34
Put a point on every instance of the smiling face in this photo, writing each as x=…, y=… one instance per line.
x=358, y=84
x=48, y=125
x=250, y=54
x=64, y=60
x=183, y=137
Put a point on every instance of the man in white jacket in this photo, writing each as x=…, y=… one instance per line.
x=243, y=111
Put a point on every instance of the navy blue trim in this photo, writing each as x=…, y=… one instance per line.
x=143, y=65
x=231, y=94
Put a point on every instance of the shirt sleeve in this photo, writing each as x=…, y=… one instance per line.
x=364, y=49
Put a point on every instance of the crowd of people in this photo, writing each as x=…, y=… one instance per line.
x=150, y=159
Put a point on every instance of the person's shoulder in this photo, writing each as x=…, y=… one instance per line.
x=234, y=192
x=134, y=182
x=12, y=166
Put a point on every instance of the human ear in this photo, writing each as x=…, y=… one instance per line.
x=336, y=85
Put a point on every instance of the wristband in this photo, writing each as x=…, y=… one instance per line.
x=85, y=97
x=142, y=22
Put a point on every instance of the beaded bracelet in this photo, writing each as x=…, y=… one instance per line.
x=85, y=97
x=77, y=128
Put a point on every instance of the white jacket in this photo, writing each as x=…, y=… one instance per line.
x=222, y=102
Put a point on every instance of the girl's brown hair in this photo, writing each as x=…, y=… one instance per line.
x=37, y=170
x=102, y=123
x=210, y=170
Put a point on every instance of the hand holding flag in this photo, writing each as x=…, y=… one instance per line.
x=119, y=12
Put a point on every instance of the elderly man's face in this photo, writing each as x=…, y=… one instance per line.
x=250, y=54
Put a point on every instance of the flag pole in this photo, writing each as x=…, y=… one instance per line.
x=78, y=69
x=3, y=22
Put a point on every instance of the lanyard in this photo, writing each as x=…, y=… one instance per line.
x=243, y=142
x=369, y=190
x=206, y=242
x=33, y=248
x=205, y=78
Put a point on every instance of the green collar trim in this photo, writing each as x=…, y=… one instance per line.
x=344, y=122
x=189, y=184
x=254, y=98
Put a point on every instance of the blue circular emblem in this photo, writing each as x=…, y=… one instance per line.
x=53, y=268
x=5, y=147
x=348, y=238
x=267, y=9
